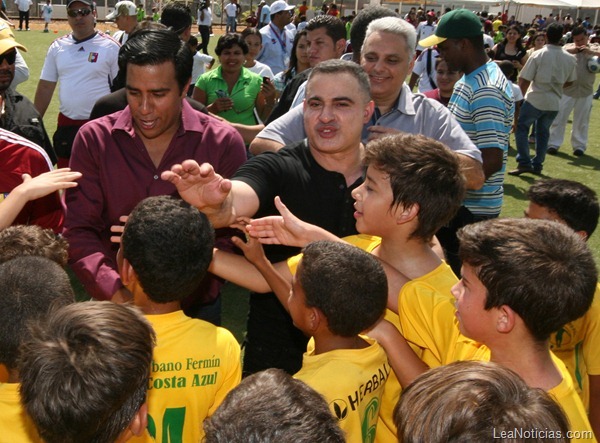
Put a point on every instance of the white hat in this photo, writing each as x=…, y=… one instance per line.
x=123, y=8
x=280, y=5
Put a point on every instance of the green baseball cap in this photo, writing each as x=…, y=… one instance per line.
x=460, y=23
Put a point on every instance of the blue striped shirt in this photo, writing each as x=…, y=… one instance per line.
x=483, y=104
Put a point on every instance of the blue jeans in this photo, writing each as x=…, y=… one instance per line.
x=543, y=120
x=231, y=24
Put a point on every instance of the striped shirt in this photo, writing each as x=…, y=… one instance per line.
x=483, y=104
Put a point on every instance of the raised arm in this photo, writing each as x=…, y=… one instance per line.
x=222, y=200
x=32, y=189
x=286, y=229
x=406, y=364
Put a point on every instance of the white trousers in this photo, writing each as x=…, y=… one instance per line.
x=581, y=122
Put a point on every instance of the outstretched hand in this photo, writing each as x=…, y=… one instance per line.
x=199, y=185
x=48, y=182
x=252, y=248
x=286, y=229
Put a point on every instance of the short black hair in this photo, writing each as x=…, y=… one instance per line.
x=155, y=47
x=177, y=16
x=554, y=33
x=347, y=284
x=228, y=41
x=573, y=202
x=334, y=27
x=169, y=244
x=362, y=21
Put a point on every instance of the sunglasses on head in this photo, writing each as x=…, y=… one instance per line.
x=80, y=12
x=10, y=57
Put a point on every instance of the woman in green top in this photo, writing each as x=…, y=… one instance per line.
x=232, y=91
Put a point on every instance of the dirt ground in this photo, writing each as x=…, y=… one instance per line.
x=63, y=25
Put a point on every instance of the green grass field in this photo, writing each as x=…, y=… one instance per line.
x=585, y=169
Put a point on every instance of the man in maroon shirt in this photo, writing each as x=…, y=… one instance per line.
x=122, y=155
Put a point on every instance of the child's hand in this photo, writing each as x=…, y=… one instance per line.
x=381, y=330
x=47, y=183
x=252, y=248
x=286, y=229
x=118, y=229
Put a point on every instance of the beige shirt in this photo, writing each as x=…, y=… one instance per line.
x=548, y=70
x=584, y=85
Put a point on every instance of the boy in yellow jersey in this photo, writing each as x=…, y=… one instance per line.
x=25, y=296
x=166, y=248
x=339, y=291
x=576, y=343
x=413, y=186
x=523, y=280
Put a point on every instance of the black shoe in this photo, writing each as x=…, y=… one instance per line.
x=578, y=152
x=522, y=170
x=552, y=150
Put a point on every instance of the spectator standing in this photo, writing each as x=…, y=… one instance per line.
x=425, y=29
x=232, y=13
x=577, y=96
x=23, y=6
x=125, y=17
x=264, y=16
x=204, y=24
x=84, y=62
x=18, y=113
x=46, y=14
x=542, y=80
x=277, y=40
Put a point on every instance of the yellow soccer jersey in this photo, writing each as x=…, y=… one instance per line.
x=195, y=365
x=576, y=344
x=352, y=381
x=566, y=396
x=15, y=424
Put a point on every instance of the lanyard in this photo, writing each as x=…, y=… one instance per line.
x=281, y=42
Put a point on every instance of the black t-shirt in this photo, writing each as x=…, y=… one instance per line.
x=312, y=193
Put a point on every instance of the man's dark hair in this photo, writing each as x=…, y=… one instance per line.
x=84, y=371
x=554, y=33
x=360, y=24
x=578, y=30
x=177, y=16
x=573, y=202
x=334, y=27
x=169, y=245
x=228, y=41
x=29, y=288
x=155, y=47
x=272, y=407
x=347, y=284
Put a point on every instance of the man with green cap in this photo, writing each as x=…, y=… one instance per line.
x=482, y=103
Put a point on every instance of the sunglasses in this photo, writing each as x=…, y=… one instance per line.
x=78, y=12
x=10, y=57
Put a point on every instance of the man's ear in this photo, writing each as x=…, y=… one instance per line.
x=340, y=47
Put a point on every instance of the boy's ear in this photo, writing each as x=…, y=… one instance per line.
x=407, y=214
x=505, y=319
x=127, y=273
x=315, y=318
x=140, y=420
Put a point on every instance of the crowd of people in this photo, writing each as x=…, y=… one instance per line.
x=388, y=301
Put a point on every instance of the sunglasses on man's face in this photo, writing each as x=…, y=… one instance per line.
x=10, y=57
x=78, y=12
